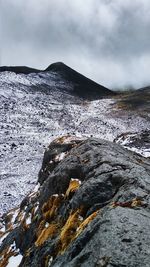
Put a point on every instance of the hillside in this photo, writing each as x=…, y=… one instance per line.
x=38, y=107
x=79, y=84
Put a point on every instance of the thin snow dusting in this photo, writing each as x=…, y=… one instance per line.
x=143, y=152
x=37, y=108
x=61, y=156
x=28, y=220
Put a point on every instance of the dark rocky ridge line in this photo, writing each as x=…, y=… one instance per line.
x=136, y=100
x=92, y=209
x=82, y=86
x=19, y=69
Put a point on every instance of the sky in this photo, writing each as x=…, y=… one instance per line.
x=106, y=40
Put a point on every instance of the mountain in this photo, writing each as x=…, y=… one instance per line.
x=36, y=108
x=88, y=205
x=90, y=208
x=19, y=69
x=83, y=86
x=138, y=99
x=80, y=85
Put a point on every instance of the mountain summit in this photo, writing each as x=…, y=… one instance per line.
x=83, y=86
x=80, y=85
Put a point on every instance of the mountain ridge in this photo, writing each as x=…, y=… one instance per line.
x=82, y=86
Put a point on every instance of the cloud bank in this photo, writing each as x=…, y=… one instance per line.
x=106, y=40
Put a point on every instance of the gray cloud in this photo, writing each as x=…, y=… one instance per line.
x=106, y=40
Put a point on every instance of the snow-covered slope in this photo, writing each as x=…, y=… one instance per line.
x=35, y=109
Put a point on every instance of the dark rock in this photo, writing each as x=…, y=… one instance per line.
x=84, y=87
x=138, y=141
x=19, y=69
x=13, y=145
x=92, y=208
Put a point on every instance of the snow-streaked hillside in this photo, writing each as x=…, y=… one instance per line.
x=35, y=109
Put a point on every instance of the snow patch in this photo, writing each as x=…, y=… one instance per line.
x=28, y=219
x=14, y=261
x=61, y=156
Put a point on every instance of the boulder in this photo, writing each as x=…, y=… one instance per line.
x=91, y=208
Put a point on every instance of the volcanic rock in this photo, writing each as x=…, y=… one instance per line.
x=91, y=208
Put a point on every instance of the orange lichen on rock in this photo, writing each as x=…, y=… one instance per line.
x=73, y=186
x=86, y=222
x=49, y=213
x=62, y=139
x=136, y=202
x=46, y=233
x=40, y=228
x=72, y=228
x=67, y=139
x=5, y=255
x=50, y=208
x=69, y=230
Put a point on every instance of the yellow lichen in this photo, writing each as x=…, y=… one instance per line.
x=73, y=186
x=40, y=228
x=50, y=208
x=69, y=230
x=136, y=202
x=86, y=222
x=46, y=233
x=72, y=228
x=61, y=140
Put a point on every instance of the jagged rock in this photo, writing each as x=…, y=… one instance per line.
x=92, y=208
x=55, y=153
x=138, y=142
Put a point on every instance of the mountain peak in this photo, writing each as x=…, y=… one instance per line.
x=83, y=86
x=57, y=66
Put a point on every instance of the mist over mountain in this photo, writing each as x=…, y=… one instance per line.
x=106, y=40
x=74, y=133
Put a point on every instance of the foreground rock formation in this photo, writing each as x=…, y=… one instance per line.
x=91, y=208
x=37, y=107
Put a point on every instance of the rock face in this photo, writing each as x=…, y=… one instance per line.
x=91, y=208
x=138, y=142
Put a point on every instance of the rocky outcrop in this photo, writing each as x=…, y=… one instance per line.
x=136, y=100
x=90, y=208
x=138, y=142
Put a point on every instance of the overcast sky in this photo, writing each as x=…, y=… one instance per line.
x=106, y=40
